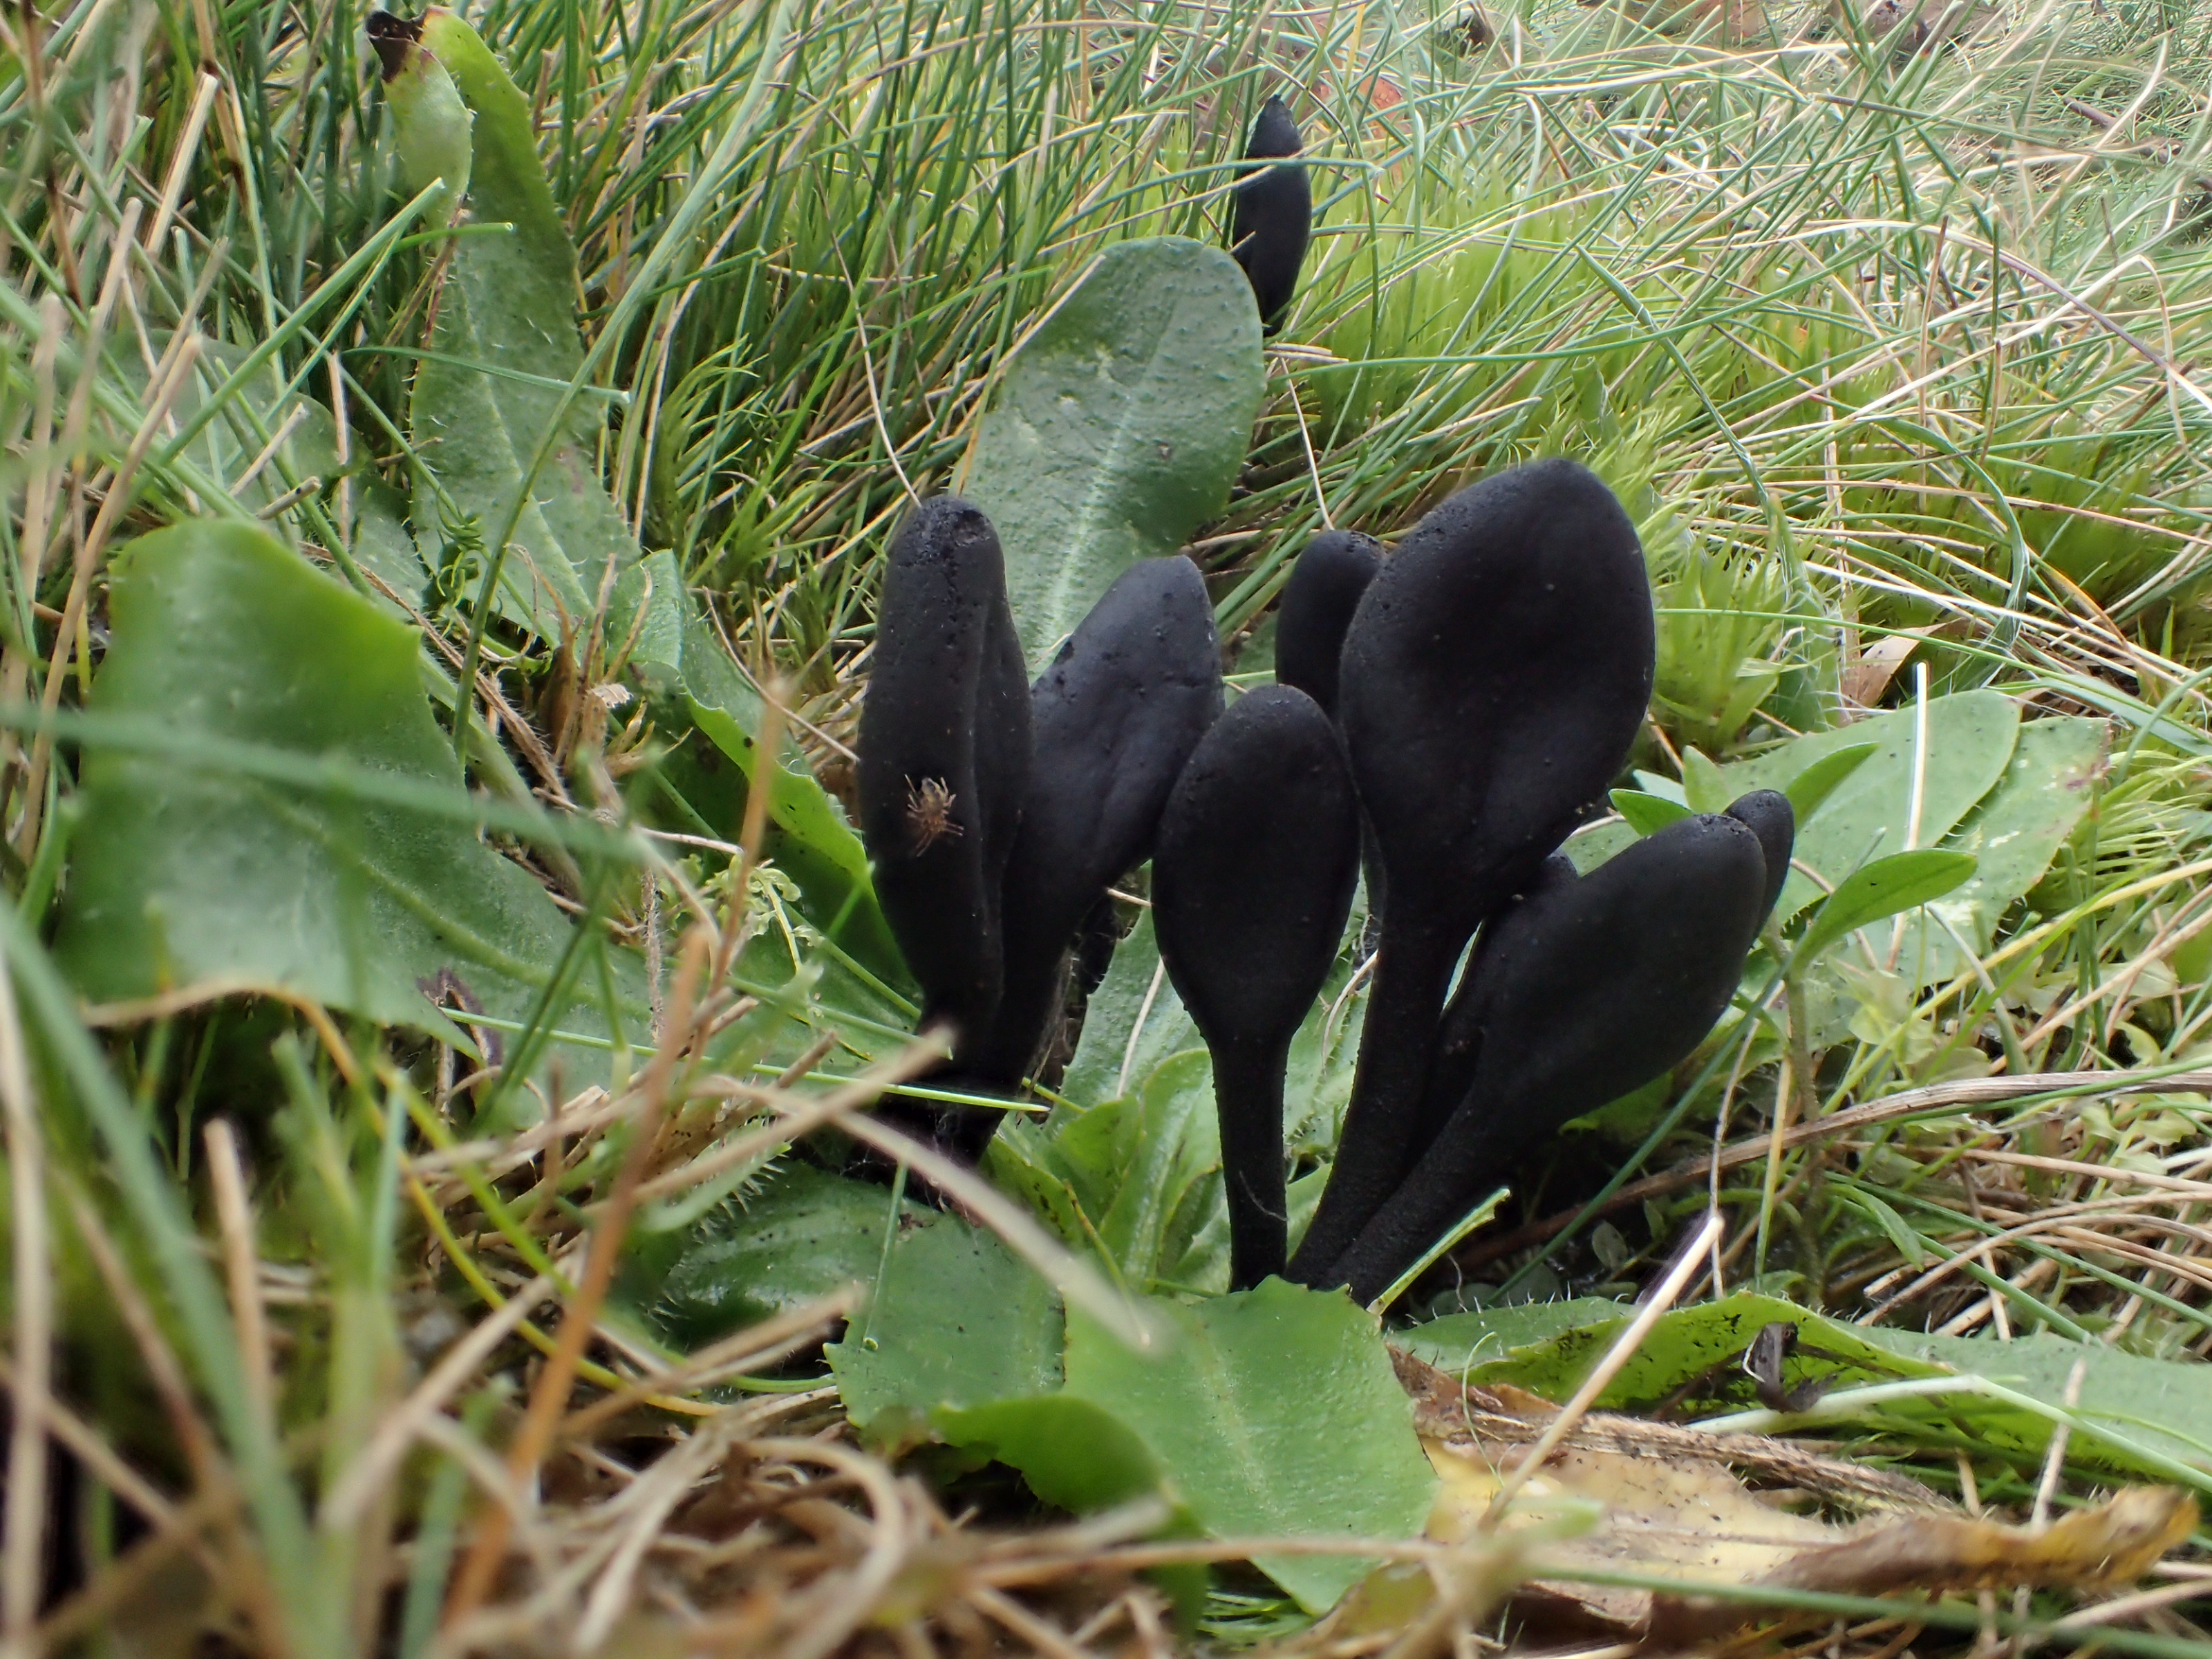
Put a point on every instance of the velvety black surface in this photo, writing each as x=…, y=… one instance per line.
x=1494, y=675
x=1774, y=821
x=1316, y=607
x=1586, y=989
x=1113, y=721
x=946, y=714
x=1272, y=219
x=1252, y=879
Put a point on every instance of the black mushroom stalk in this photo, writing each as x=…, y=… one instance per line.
x=1588, y=987
x=1272, y=219
x=1113, y=721
x=1493, y=678
x=1258, y=854
x=945, y=759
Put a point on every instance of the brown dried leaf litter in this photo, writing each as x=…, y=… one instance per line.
x=1667, y=1501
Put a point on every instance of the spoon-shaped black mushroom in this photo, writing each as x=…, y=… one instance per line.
x=1493, y=678
x=944, y=758
x=1774, y=821
x=1112, y=721
x=1274, y=216
x=1252, y=880
x=1315, y=609
x=1587, y=988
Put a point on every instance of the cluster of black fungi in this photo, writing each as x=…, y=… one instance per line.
x=1453, y=710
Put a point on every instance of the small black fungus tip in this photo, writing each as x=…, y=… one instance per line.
x=1275, y=135
x=1316, y=608
x=1272, y=219
x=1774, y=821
x=394, y=37
x=1252, y=880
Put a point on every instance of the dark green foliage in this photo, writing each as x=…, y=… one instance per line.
x=1259, y=852
x=1493, y=680
x=1273, y=219
x=1588, y=987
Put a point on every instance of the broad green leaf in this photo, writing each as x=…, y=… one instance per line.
x=260, y=412
x=1279, y=1414
x=1119, y=428
x=1882, y=889
x=429, y=126
x=1647, y=814
x=1810, y=790
x=1685, y=1345
x=957, y=1320
x=1705, y=787
x=2159, y=1405
x=186, y=875
x=2013, y=834
x=1457, y=1341
x=2140, y=1408
x=1079, y=1457
x=1134, y=1022
x=1592, y=845
x=1970, y=740
x=808, y=836
x=1150, y=1169
x=802, y=1236
x=508, y=303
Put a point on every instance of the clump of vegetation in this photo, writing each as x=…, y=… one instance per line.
x=473, y=1178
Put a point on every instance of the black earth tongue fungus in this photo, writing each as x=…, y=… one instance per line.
x=1590, y=988
x=945, y=759
x=1311, y=619
x=1459, y=1035
x=1315, y=609
x=1258, y=854
x=1774, y=821
x=1113, y=721
x=1274, y=216
x=1493, y=678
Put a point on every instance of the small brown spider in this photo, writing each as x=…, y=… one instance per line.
x=929, y=814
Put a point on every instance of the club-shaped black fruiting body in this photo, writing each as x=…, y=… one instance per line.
x=945, y=757
x=1316, y=608
x=1272, y=220
x=1493, y=678
x=1258, y=854
x=1112, y=721
x=1774, y=821
x=1586, y=989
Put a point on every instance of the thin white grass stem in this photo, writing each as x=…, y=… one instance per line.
x=242, y=1264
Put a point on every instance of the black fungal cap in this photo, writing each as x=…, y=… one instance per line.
x=1113, y=721
x=1259, y=849
x=1588, y=989
x=1274, y=217
x=943, y=756
x=1774, y=821
x=1494, y=675
x=1316, y=608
